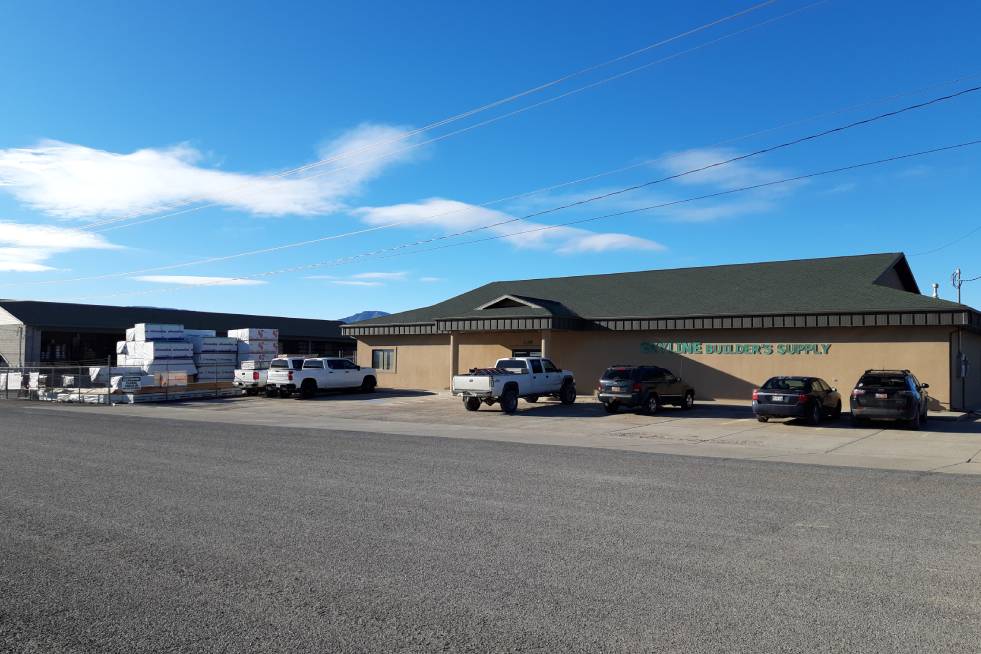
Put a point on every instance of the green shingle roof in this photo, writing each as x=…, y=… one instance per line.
x=853, y=284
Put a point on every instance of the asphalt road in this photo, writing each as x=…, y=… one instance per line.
x=123, y=534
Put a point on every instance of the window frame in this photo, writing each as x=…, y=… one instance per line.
x=392, y=354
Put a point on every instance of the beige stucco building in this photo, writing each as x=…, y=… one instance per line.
x=724, y=329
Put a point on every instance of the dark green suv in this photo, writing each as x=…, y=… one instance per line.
x=645, y=387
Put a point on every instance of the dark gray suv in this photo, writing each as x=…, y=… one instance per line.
x=890, y=395
x=646, y=387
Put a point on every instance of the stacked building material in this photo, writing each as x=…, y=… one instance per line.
x=161, y=350
x=257, y=344
x=215, y=357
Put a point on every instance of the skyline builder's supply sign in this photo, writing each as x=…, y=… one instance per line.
x=751, y=349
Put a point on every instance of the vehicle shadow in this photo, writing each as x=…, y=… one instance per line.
x=355, y=395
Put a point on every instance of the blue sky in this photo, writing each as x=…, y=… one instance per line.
x=139, y=138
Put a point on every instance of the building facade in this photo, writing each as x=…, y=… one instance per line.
x=724, y=329
x=38, y=333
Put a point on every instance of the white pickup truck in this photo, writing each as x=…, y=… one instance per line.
x=253, y=380
x=524, y=377
x=321, y=373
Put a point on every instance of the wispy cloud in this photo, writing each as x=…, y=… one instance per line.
x=723, y=178
x=452, y=216
x=26, y=247
x=389, y=276
x=354, y=282
x=75, y=181
x=193, y=280
x=430, y=280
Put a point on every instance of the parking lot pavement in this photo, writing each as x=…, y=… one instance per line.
x=949, y=443
x=135, y=534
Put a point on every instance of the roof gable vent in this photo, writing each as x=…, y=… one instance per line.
x=508, y=302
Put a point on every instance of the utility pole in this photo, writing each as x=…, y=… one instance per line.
x=958, y=280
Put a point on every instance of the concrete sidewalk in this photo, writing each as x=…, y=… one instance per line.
x=949, y=443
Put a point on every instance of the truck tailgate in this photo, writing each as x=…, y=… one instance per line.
x=473, y=383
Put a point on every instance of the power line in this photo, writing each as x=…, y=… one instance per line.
x=393, y=251
x=950, y=243
x=122, y=219
x=786, y=144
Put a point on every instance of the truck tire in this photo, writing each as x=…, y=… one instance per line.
x=270, y=391
x=509, y=401
x=652, y=404
x=531, y=398
x=308, y=389
x=285, y=392
x=368, y=384
x=251, y=390
x=568, y=393
x=471, y=403
x=611, y=407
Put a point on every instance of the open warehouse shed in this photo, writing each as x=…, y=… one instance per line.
x=33, y=333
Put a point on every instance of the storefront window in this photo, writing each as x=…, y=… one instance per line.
x=383, y=359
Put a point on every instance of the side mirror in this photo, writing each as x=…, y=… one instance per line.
x=834, y=390
x=924, y=385
x=358, y=367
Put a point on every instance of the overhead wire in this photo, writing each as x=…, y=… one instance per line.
x=113, y=221
x=758, y=152
x=393, y=253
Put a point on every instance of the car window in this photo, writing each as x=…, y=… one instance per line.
x=787, y=384
x=668, y=375
x=820, y=385
x=279, y=363
x=334, y=365
x=536, y=366
x=883, y=381
x=513, y=365
x=620, y=373
x=297, y=364
x=549, y=366
x=348, y=365
x=313, y=363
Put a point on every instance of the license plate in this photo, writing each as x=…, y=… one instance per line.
x=881, y=396
x=618, y=389
x=777, y=398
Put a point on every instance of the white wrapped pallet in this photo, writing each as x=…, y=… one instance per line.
x=219, y=358
x=130, y=333
x=250, y=334
x=157, y=332
x=100, y=374
x=214, y=344
x=157, y=350
x=199, y=333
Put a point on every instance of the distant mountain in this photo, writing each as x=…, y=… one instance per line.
x=364, y=315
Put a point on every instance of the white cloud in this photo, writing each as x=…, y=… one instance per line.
x=194, y=280
x=25, y=247
x=430, y=280
x=389, y=276
x=354, y=282
x=75, y=181
x=453, y=216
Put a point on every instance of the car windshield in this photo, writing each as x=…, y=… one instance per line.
x=619, y=373
x=787, y=384
x=512, y=365
x=883, y=381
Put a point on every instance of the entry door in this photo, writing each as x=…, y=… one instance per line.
x=334, y=374
x=553, y=377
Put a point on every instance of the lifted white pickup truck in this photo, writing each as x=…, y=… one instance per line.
x=509, y=379
x=321, y=373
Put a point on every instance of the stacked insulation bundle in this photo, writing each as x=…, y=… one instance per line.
x=214, y=356
x=257, y=346
x=159, y=350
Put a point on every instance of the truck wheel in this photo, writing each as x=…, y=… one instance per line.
x=308, y=389
x=763, y=418
x=252, y=390
x=531, y=398
x=611, y=407
x=285, y=392
x=472, y=403
x=509, y=401
x=568, y=393
x=270, y=391
x=368, y=385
